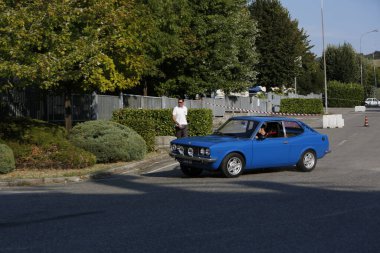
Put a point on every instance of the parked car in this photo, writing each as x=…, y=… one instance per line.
x=235, y=146
x=371, y=102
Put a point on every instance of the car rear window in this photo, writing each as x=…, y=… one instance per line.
x=292, y=128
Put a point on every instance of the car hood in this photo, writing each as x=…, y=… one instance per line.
x=204, y=141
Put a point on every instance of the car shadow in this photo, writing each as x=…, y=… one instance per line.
x=136, y=214
x=176, y=172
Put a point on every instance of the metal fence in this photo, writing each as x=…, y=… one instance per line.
x=47, y=106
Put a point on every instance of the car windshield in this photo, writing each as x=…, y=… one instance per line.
x=237, y=128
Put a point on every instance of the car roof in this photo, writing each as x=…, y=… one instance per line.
x=263, y=118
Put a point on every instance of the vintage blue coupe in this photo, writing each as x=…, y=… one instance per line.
x=240, y=145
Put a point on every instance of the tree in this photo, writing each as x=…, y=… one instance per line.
x=280, y=45
x=311, y=79
x=369, y=77
x=71, y=46
x=371, y=74
x=215, y=49
x=168, y=41
x=342, y=64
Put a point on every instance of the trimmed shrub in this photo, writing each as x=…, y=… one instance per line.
x=344, y=94
x=108, y=141
x=37, y=144
x=145, y=128
x=301, y=105
x=7, y=160
x=200, y=120
x=150, y=123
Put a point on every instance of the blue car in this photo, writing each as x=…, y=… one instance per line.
x=251, y=142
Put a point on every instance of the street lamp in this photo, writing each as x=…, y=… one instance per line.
x=374, y=73
x=324, y=58
x=361, y=57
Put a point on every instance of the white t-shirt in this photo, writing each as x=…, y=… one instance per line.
x=180, y=114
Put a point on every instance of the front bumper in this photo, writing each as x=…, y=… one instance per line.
x=202, y=160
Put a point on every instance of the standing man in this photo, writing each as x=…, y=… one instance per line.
x=179, y=118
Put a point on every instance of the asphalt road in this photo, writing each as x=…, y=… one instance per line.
x=335, y=208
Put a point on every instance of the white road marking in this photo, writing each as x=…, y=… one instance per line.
x=342, y=142
x=167, y=166
x=374, y=169
x=128, y=171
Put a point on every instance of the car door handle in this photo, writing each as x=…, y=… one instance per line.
x=285, y=142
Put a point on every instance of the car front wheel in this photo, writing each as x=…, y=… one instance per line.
x=191, y=172
x=307, y=162
x=232, y=165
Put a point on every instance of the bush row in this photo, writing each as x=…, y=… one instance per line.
x=301, y=105
x=344, y=94
x=151, y=123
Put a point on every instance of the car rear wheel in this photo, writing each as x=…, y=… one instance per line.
x=307, y=162
x=191, y=172
x=232, y=165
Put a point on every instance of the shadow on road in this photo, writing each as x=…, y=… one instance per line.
x=210, y=214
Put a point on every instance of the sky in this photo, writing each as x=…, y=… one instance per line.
x=345, y=21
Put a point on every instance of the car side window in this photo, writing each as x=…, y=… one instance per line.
x=237, y=128
x=292, y=128
x=274, y=130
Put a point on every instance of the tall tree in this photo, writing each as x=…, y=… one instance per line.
x=281, y=44
x=311, y=79
x=167, y=41
x=217, y=50
x=71, y=45
x=369, y=78
x=342, y=64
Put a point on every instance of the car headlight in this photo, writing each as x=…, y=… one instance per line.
x=174, y=147
x=204, y=151
x=190, y=151
x=181, y=150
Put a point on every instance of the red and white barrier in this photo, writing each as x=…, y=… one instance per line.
x=262, y=112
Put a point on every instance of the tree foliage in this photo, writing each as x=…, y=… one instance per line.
x=169, y=47
x=71, y=45
x=311, y=79
x=77, y=44
x=342, y=64
x=370, y=81
x=284, y=49
x=212, y=47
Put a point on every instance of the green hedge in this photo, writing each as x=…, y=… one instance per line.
x=7, y=160
x=108, y=141
x=152, y=122
x=344, y=94
x=301, y=105
x=145, y=128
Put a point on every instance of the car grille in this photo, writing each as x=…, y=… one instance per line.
x=195, y=150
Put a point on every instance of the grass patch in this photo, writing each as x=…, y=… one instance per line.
x=53, y=173
x=100, y=168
